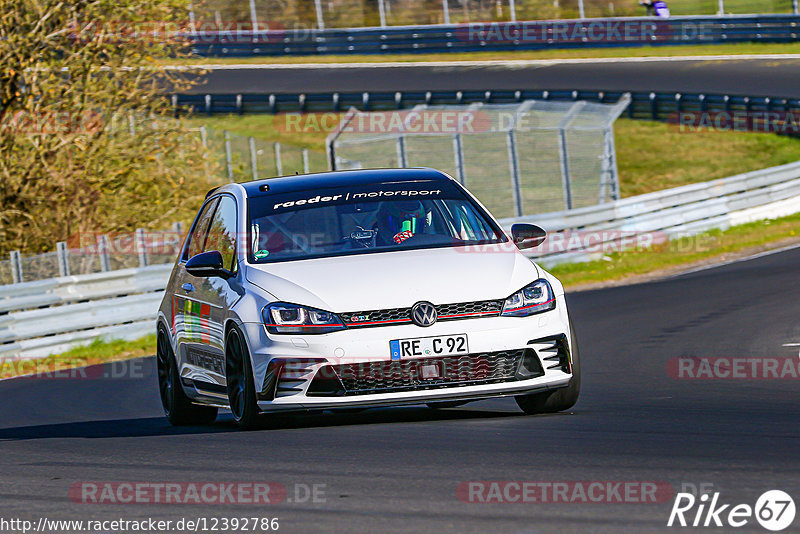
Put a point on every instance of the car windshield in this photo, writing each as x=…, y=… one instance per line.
x=365, y=218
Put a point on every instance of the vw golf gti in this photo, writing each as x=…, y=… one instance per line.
x=355, y=289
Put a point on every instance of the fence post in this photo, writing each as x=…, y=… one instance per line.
x=401, y=152
x=16, y=267
x=458, y=152
x=102, y=253
x=446, y=12
x=721, y=8
x=513, y=9
x=513, y=164
x=320, y=21
x=192, y=23
x=204, y=136
x=795, y=9
x=581, y=12
x=612, y=165
x=564, y=158
x=306, y=166
x=653, y=106
x=562, y=150
x=253, y=159
x=253, y=19
x=382, y=13
x=228, y=155
x=62, y=254
x=141, y=247
x=330, y=151
x=278, y=162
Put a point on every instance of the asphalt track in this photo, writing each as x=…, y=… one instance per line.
x=397, y=469
x=744, y=77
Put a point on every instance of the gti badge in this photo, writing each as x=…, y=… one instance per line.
x=423, y=313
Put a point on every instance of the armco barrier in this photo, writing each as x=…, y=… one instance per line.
x=644, y=105
x=48, y=316
x=499, y=36
x=676, y=212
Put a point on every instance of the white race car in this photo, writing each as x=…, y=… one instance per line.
x=355, y=289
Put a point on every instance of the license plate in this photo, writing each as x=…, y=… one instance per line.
x=424, y=347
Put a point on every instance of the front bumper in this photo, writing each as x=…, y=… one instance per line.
x=286, y=366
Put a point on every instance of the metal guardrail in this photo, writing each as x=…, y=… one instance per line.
x=659, y=106
x=49, y=316
x=499, y=36
x=669, y=214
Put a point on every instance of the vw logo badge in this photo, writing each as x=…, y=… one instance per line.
x=423, y=314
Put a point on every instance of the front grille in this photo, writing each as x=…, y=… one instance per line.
x=407, y=375
x=444, y=312
x=483, y=308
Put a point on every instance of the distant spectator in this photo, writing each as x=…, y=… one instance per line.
x=655, y=7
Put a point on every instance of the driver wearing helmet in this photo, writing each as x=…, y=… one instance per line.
x=400, y=220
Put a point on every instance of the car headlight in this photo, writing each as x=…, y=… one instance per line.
x=534, y=298
x=282, y=318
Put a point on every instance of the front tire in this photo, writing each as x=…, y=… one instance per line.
x=239, y=377
x=178, y=408
x=556, y=400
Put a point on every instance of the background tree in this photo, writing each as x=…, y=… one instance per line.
x=87, y=142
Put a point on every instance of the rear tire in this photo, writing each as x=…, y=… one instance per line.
x=178, y=408
x=556, y=400
x=239, y=377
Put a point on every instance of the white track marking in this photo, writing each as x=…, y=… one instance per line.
x=488, y=63
x=737, y=260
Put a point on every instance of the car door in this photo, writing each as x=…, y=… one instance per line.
x=206, y=301
x=181, y=288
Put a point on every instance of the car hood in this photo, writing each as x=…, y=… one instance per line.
x=396, y=279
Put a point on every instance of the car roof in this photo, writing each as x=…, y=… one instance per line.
x=310, y=182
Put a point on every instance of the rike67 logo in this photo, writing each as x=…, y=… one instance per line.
x=774, y=510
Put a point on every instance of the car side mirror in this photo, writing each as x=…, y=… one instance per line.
x=527, y=235
x=207, y=264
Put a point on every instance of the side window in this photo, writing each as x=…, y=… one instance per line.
x=198, y=237
x=222, y=232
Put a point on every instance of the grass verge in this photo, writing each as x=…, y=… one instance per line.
x=570, y=53
x=652, y=156
x=99, y=351
x=680, y=254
